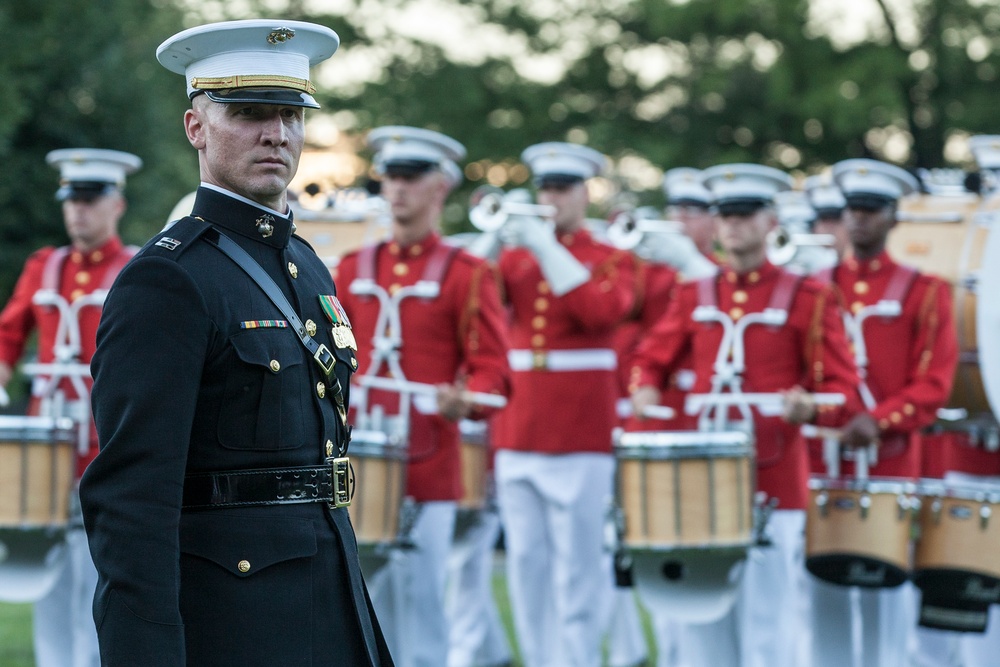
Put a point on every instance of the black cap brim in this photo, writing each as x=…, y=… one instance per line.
x=686, y=201
x=84, y=190
x=557, y=180
x=408, y=168
x=740, y=207
x=281, y=96
x=867, y=201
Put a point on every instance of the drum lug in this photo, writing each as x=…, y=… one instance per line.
x=936, y=510
x=984, y=516
x=823, y=503
x=864, y=503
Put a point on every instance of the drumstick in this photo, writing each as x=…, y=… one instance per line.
x=406, y=386
x=624, y=410
x=769, y=404
x=824, y=432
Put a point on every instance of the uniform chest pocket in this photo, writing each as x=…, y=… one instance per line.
x=266, y=392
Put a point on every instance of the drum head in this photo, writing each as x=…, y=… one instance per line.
x=693, y=586
x=30, y=563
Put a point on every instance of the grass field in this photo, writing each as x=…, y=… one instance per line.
x=15, y=629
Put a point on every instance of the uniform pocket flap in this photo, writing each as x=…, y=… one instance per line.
x=245, y=545
x=267, y=347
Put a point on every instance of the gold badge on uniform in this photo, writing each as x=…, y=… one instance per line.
x=342, y=334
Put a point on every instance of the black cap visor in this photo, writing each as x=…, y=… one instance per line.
x=688, y=201
x=557, y=181
x=741, y=207
x=282, y=96
x=408, y=168
x=829, y=213
x=867, y=201
x=86, y=191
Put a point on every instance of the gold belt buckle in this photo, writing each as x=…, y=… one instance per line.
x=340, y=477
x=539, y=360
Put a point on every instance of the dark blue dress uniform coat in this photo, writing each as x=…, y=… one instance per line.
x=194, y=372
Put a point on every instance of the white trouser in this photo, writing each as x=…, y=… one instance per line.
x=626, y=641
x=765, y=626
x=408, y=591
x=558, y=573
x=863, y=627
x=65, y=633
x=981, y=650
x=476, y=633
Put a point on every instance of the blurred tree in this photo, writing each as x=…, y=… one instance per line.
x=80, y=73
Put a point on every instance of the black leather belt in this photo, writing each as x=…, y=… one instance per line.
x=331, y=483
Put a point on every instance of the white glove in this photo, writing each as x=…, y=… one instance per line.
x=677, y=251
x=486, y=245
x=561, y=269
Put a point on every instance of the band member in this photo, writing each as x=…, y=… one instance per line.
x=690, y=203
x=216, y=507
x=567, y=292
x=454, y=338
x=54, y=279
x=907, y=356
x=828, y=202
x=801, y=348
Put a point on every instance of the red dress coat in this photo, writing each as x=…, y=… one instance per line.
x=79, y=274
x=461, y=333
x=809, y=350
x=564, y=411
x=911, y=357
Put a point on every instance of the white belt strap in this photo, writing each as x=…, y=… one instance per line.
x=600, y=359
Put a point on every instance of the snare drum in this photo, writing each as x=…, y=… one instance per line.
x=474, y=453
x=37, y=466
x=685, y=489
x=956, y=563
x=858, y=531
x=380, y=477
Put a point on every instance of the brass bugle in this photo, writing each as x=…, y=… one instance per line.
x=627, y=230
x=494, y=209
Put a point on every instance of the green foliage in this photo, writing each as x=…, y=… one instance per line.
x=84, y=74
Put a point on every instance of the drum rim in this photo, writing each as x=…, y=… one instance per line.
x=966, y=491
x=683, y=452
x=683, y=438
x=890, y=485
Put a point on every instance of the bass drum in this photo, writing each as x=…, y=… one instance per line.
x=946, y=235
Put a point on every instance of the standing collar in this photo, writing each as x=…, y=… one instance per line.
x=238, y=214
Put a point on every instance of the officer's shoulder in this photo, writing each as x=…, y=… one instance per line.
x=176, y=239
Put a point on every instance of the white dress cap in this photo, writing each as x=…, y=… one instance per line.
x=682, y=185
x=823, y=194
x=90, y=172
x=416, y=149
x=563, y=161
x=256, y=60
x=794, y=210
x=871, y=182
x=986, y=149
x=745, y=183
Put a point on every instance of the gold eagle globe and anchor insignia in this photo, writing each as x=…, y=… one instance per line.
x=280, y=35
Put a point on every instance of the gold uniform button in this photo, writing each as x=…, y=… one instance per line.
x=76, y=257
x=538, y=322
x=861, y=287
x=293, y=270
x=76, y=294
x=400, y=269
x=538, y=340
x=739, y=296
x=908, y=410
x=416, y=250
x=329, y=447
x=895, y=417
x=275, y=366
x=321, y=390
x=310, y=327
x=393, y=288
x=856, y=307
x=354, y=363
x=541, y=304
x=753, y=277
x=394, y=248
x=875, y=265
x=243, y=566
x=82, y=278
x=543, y=287
x=96, y=256
x=736, y=313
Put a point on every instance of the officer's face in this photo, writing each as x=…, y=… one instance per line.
x=741, y=234
x=869, y=227
x=415, y=196
x=247, y=148
x=835, y=227
x=570, y=201
x=698, y=222
x=90, y=223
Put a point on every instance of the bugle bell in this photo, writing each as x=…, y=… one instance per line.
x=628, y=228
x=809, y=252
x=494, y=208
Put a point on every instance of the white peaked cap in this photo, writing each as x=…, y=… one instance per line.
x=399, y=144
x=556, y=158
x=865, y=177
x=685, y=184
x=986, y=149
x=93, y=165
x=794, y=209
x=823, y=193
x=240, y=61
x=745, y=182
